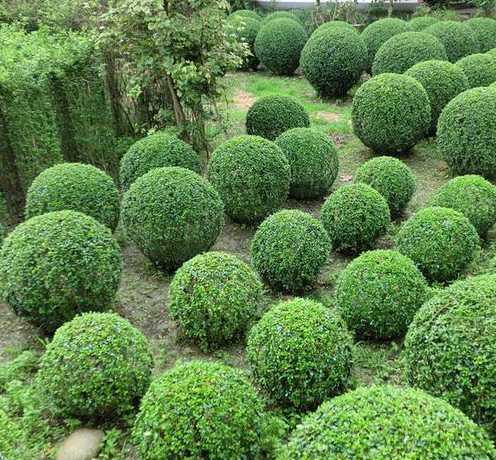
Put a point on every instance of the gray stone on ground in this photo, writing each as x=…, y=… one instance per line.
x=83, y=444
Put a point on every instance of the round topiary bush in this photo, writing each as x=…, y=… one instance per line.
x=97, y=365
x=392, y=178
x=404, y=50
x=441, y=241
x=300, y=353
x=246, y=14
x=466, y=133
x=252, y=176
x=450, y=348
x=442, y=81
x=458, y=38
x=75, y=187
x=200, y=409
x=485, y=32
x=480, y=69
x=333, y=60
x=213, y=297
x=334, y=25
x=385, y=422
x=278, y=45
x=283, y=264
x=355, y=216
x=313, y=159
x=57, y=265
x=422, y=22
x=172, y=214
x=158, y=150
x=270, y=116
x=391, y=113
x=246, y=30
x=280, y=15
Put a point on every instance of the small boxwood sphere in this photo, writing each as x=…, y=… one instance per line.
x=300, y=353
x=313, y=159
x=355, y=216
x=76, y=187
x=391, y=113
x=252, y=176
x=421, y=22
x=450, y=348
x=278, y=45
x=57, y=265
x=200, y=409
x=97, y=365
x=213, y=297
x=485, y=32
x=458, y=38
x=246, y=14
x=246, y=30
x=270, y=116
x=479, y=68
x=385, y=422
x=172, y=214
x=333, y=60
x=392, y=178
x=281, y=262
x=156, y=151
x=441, y=242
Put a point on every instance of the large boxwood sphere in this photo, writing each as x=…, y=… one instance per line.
x=57, y=265
x=421, y=22
x=485, y=32
x=355, y=216
x=392, y=178
x=450, y=349
x=313, y=159
x=441, y=242
x=270, y=116
x=391, y=113
x=76, y=187
x=333, y=60
x=97, y=365
x=385, y=422
x=213, y=297
x=172, y=214
x=479, y=68
x=246, y=30
x=289, y=249
x=156, y=151
x=278, y=45
x=458, y=38
x=200, y=409
x=252, y=176
x=300, y=353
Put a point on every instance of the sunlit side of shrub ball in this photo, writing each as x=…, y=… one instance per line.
x=479, y=68
x=485, y=32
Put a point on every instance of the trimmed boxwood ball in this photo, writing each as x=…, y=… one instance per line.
x=270, y=116
x=479, y=68
x=289, y=249
x=213, y=297
x=300, y=353
x=245, y=14
x=333, y=25
x=392, y=178
x=386, y=422
x=378, y=294
x=485, y=31
x=57, y=265
x=313, y=159
x=200, y=409
x=458, y=39
x=355, y=216
x=246, y=30
x=97, y=365
x=391, y=113
x=422, y=22
x=450, y=348
x=278, y=45
x=157, y=150
x=441, y=241
x=172, y=214
x=76, y=187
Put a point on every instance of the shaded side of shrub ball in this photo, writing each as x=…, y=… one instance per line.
x=479, y=68
x=458, y=39
x=485, y=31
x=246, y=31
x=420, y=23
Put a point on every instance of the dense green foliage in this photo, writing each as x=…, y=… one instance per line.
x=280, y=15
x=10, y=436
x=458, y=38
x=479, y=68
x=421, y=22
x=246, y=30
x=332, y=25
x=246, y=14
x=485, y=32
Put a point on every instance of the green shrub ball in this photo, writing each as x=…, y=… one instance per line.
x=200, y=409
x=450, y=349
x=354, y=217
x=332, y=25
x=75, y=187
x=172, y=214
x=441, y=241
x=57, y=265
x=386, y=422
x=278, y=45
x=391, y=113
x=97, y=365
x=300, y=353
x=392, y=178
x=246, y=31
x=246, y=14
x=280, y=15
x=270, y=116
x=313, y=159
x=479, y=68
x=485, y=32
x=420, y=23
x=213, y=297
x=289, y=249
x=252, y=176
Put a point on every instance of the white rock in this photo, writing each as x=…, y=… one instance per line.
x=83, y=444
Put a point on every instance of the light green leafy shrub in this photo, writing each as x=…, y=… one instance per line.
x=246, y=14
x=246, y=30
